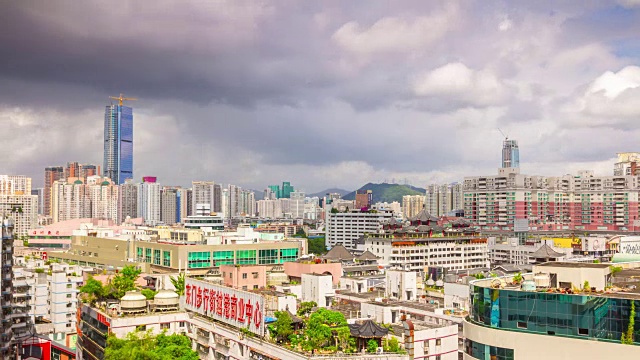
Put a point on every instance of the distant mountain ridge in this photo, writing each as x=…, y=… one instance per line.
x=320, y=194
x=385, y=192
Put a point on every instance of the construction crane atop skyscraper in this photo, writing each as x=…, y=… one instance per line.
x=121, y=98
x=505, y=136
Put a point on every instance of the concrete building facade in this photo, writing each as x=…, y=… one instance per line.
x=569, y=202
x=344, y=228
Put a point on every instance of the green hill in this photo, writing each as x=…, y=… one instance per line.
x=387, y=192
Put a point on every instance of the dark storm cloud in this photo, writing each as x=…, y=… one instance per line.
x=257, y=91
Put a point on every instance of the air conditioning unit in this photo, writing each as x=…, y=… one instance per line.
x=379, y=350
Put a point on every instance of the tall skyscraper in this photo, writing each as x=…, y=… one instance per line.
x=51, y=175
x=286, y=190
x=118, y=142
x=510, y=154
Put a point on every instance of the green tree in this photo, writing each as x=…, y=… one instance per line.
x=317, y=246
x=92, y=290
x=323, y=327
x=305, y=307
x=148, y=293
x=125, y=281
x=334, y=211
x=282, y=328
x=178, y=283
x=145, y=346
x=372, y=346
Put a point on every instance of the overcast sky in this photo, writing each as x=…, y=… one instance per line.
x=322, y=93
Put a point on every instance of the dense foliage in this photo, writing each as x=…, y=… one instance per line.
x=305, y=307
x=282, y=328
x=317, y=246
x=124, y=281
x=92, y=290
x=145, y=346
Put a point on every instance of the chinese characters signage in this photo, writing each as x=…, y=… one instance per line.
x=630, y=245
x=237, y=308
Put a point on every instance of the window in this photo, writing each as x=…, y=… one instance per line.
x=255, y=275
x=156, y=257
x=245, y=257
x=147, y=255
x=438, y=342
x=268, y=256
x=222, y=258
x=244, y=275
x=166, y=258
x=141, y=328
x=244, y=288
x=255, y=287
x=287, y=255
x=522, y=325
x=165, y=326
x=140, y=252
x=181, y=324
x=68, y=296
x=583, y=331
x=230, y=275
x=199, y=259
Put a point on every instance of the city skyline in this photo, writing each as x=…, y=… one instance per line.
x=250, y=102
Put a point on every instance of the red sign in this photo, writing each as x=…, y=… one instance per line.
x=45, y=256
x=234, y=307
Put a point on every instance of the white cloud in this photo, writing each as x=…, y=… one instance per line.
x=505, y=24
x=396, y=34
x=458, y=82
x=611, y=99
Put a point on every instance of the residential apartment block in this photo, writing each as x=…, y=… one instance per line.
x=344, y=228
x=441, y=199
x=411, y=205
x=569, y=202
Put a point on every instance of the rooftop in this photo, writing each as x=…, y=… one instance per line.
x=567, y=264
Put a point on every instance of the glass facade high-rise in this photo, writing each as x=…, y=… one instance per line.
x=510, y=154
x=118, y=143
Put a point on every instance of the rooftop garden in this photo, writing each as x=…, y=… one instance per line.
x=321, y=332
x=94, y=291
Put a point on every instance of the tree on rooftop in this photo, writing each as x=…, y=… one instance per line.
x=325, y=325
x=305, y=307
x=144, y=346
x=148, y=293
x=125, y=281
x=282, y=328
x=178, y=283
x=92, y=290
x=317, y=246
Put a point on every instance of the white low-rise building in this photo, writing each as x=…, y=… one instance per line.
x=401, y=285
x=318, y=288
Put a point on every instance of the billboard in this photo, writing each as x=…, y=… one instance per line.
x=237, y=308
x=630, y=245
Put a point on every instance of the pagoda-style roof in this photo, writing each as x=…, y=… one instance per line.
x=294, y=318
x=339, y=253
x=367, y=255
x=368, y=329
x=546, y=252
x=424, y=217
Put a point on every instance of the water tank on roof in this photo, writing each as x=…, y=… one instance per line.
x=166, y=300
x=450, y=278
x=542, y=280
x=133, y=302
